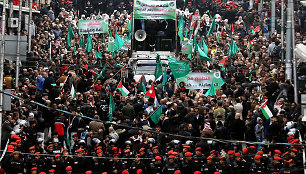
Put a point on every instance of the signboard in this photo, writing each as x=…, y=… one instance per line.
x=153, y=9
x=201, y=80
x=93, y=26
x=186, y=47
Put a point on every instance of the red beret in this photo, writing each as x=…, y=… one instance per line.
x=230, y=152
x=237, y=154
x=188, y=154
x=137, y=155
x=99, y=151
x=217, y=173
x=197, y=172
x=277, y=158
x=10, y=148
x=174, y=153
x=51, y=145
x=277, y=151
x=34, y=168
x=141, y=149
x=51, y=171
x=213, y=151
x=245, y=151
x=32, y=147
x=115, y=148
x=88, y=172
x=294, y=150
x=58, y=155
x=177, y=172
x=42, y=173
x=222, y=158
x=13, y=143
x=18, y=141
x=155, y=147
x=68, y=168
x=286, y=153
x=187, y=147
x=65, y=150
x=99, y=147
x=198, y=149
x=252, y=147
x=74, y=135
x=289, y=161
x=79, y=150
x=37, y=153
x=158, y=158
x=295, y=141
x=260, y=153
x=127, y=151
x=139, y=171
x=189, y=2
x=171, y=156
x=125, y=172
x=170, y=152
x=210, y=157
x=257, y=156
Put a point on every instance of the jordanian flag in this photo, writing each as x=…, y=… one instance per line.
x=223, y=62
x=257, y=29
x=122, y=89
x=265, y=110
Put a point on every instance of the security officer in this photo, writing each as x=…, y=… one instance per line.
x=223, y=167
x=171, y=166
x=276, y=165
x=187, y=163
x=210, y=166
x=257, y=166
x=157, y=166
x=198, y=159
x=239, y=165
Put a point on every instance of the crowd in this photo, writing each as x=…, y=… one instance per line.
x=195, y=133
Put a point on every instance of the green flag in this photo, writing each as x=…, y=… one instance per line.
x=89, y=43
x=141, y=84
x=181, y=27
x=204, y=46
x=211, y=90
x=164, y=78
x=81, y=42
x=202, y=55
x=98, y=54
x=155, y=116
x=111, y=42
x=233, y=49
x=70, y=35
x=119, y=42
x=103, y=39
x=158, y=69
x=179, y=68
x=212, y=27
x=111, y=108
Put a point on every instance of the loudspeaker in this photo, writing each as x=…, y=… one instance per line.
x=166, y=45
x=140, y=35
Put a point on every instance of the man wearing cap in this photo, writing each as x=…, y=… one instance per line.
x=75, y=146
x=239, y=165
x=98, y=163
x=210, y=166
x=57, y=164
x=288, y=167
x=68, y=169
x=275, y=165
x=188, y=164
x=80, y=164
x=157, y=165
x=170, y=166
x=15, y=164
x=126, y=163
x=37, y=162
x=138, y=164
x=223, y=166
x=67, y=160
x=198, y=158
x=257, y=166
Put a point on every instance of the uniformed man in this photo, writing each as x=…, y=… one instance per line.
x=239, y=165
x=98, y=163
x=210, y=166
x=224, y=167
x=275, y=166
x=288, y=167
x=16, y=164
x=157, y=166
x=187, y=163
x=170, y=166
x=57, y=164
x=80, y=164
x=198, y=158
x=256, y=166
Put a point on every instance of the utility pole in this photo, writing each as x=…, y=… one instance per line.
x=282, y=30
x=272, y=17
x=289, y=41
x=3, y=27
x=293, y=57
x=29, y=26
x=18, y=44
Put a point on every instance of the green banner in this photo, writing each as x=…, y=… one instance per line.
x=153, y=9
x=93, y=26
x=186, y=47
x=202, y=80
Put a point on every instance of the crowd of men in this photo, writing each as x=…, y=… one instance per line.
x=62, y=133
